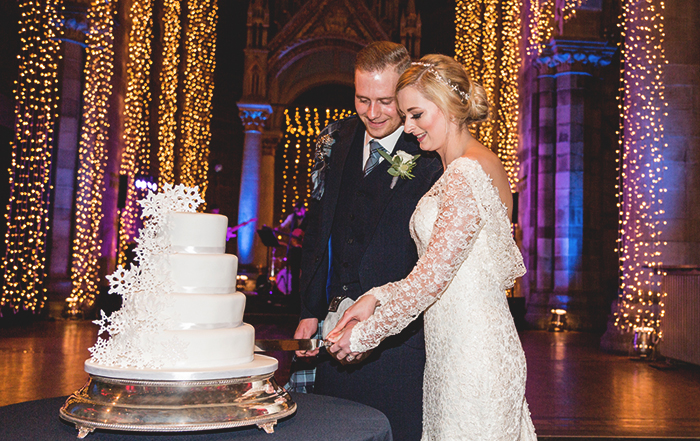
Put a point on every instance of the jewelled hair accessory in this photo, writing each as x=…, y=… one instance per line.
x=443, y=80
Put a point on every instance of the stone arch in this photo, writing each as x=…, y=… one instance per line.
x=309, y=65
x=316, y=47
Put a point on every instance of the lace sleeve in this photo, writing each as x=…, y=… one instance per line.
x=457, y=225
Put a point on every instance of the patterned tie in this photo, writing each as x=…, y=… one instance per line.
x=374, y=156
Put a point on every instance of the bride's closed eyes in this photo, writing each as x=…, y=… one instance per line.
x=416, y=115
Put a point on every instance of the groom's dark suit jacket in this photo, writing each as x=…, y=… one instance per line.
x=358, y=238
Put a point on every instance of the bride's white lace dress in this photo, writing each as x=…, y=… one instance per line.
x=474, y=384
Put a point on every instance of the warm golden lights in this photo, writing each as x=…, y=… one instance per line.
x=198, y=89
x=92, y=154
x=183, y=111
x=137, y=144
x=508, y=98
x=541, y=25
x=167, y=102
x=543, y=17
x=36, y=104
x=487, y=43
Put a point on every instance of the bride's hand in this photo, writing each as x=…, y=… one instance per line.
x=341, y=345
x=361, y=310
x=340, y=335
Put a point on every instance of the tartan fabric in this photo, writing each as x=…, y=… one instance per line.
x=374, y=156
x=303, y=373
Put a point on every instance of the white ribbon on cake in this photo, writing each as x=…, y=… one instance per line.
x=183, y=289
x=200, y=326
x=196, y=250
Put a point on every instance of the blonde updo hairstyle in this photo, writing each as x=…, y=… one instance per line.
x=465, y=108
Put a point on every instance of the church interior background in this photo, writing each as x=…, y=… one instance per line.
x=597, y=120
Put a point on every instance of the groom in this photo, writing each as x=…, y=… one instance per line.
x=358, y=238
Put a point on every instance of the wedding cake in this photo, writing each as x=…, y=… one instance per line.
x=181, y=317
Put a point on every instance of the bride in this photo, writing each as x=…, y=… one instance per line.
x=474, y=382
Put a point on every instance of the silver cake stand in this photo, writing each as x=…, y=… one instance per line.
x=178, y=400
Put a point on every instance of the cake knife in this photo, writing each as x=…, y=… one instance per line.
x=302, y=344
x=336, y=308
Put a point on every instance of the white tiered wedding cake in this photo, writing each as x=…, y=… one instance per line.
x=181, y=317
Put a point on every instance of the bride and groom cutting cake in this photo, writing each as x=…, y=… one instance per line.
x=410, y=217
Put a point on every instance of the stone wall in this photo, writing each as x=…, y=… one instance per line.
x=682, y=133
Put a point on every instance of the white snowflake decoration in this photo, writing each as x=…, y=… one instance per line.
x=136, y=330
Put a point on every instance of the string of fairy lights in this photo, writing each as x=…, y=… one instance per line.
x=302, y=127
x=137, y=144
x=488, y=75
x=36, y=112
x=542, y=17
x=640, y=167
x=541, y=25
x=508, y=99
x=167, y=107
x=200, y=51
x=92, y=155
x=487, y=43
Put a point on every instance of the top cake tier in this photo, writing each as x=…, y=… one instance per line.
x=197, y=233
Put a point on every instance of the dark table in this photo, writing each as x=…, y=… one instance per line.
x=317, y=418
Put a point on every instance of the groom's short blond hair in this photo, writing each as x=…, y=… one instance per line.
x=380, y=55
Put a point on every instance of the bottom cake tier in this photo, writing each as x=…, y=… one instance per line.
x=260, y=365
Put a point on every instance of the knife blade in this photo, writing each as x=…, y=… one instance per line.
x=302, y=344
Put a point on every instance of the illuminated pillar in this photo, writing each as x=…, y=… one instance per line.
x=571, y=86
x=527, y=188
x=542, y=198
x=267, y=192
x=24, y=265
x=643, y=179
x=253, y=117
x=574, y=240
x=681, y=201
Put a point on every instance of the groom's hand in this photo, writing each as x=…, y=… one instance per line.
x=307, y=328
x=361, y=310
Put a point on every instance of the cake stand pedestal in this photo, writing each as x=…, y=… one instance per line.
x=168, y=404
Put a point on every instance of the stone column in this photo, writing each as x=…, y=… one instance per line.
x=542, y=200
x=569, y=201
x=253, y=117
x=64, y=190
x=572, y=86
x=681, y=202
x=527, y=183
x=267, y=191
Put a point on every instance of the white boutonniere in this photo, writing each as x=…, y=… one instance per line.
x=402, y=164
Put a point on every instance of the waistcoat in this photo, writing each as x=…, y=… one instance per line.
x=350, y=232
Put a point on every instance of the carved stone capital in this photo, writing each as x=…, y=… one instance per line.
x=254, y=116
x=571, y=54
x=75, y=25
